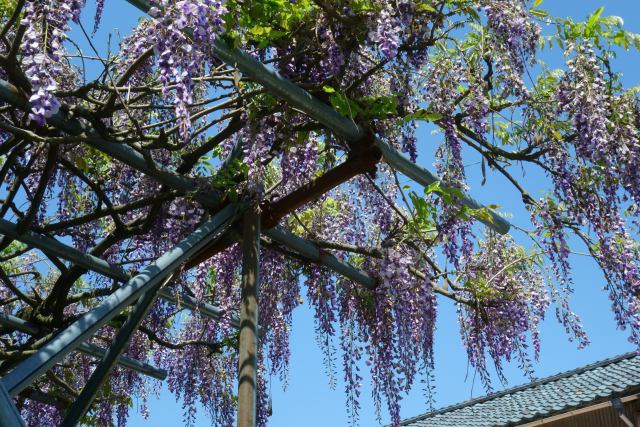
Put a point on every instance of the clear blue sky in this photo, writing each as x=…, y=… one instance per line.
x=309, y=401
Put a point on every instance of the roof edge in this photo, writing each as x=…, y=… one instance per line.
x=521, y=387
x=629, y=391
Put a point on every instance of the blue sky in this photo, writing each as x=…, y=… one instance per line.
x=309, y=401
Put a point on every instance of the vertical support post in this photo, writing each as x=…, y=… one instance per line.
x=248, y=348
x=618, y=406
x=9, y=415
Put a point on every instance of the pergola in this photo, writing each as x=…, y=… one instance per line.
x=243, y=221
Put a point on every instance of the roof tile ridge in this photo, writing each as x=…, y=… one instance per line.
x=515, y=389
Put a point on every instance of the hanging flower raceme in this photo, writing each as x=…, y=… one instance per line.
x=386, y=33
x=98, y=16
x=259, y=140
x=584, y=96
x=506, y=300
x=455, y=229
x=183, y=35
x=515, y=37
x=46, y=23
x=391, y=328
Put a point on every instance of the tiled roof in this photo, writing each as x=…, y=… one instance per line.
x=543, y=398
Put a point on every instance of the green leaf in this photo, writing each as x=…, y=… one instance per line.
x=344, y=105
x=328, y=89
x=539, y=13
x=424, y=115
x=483, y=214
x=6, y=8
x=378, y=107
x=81, y=164
x=425, y=8
x=537, y=3
x=595, y=17
x=433, y=187
x=622, y=39
x=362, y=6
x=556, y=134
x=636, y=41
x=613, y=20
x=447, y=193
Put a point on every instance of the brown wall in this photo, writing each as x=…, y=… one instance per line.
x=606, y=417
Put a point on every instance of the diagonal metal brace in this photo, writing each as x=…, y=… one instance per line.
x=103, y=369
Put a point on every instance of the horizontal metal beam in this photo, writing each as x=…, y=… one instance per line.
x=53, y=247
x=22, y=325
x=317, y=255
x=18, y=324
x=126, y=362
x=71, y=337
x=204, y=308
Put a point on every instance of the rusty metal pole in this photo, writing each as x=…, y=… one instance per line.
x=248, y=348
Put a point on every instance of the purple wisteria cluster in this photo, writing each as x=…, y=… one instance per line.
x=299, y=162
x=586, y=98
x=387, y=66
x=387, y=31
x=401, y=332
x=515, y=39
x=260, y=138
x=508, y=298
x=334, y=61
x=584, y=95
x=455, y=229
x=98, y=16
x=183, y=34
x=46, y=26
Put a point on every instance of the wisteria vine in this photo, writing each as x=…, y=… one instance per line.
x=465, y=70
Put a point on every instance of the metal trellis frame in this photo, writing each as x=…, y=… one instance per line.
x=325, y=114
x=147, y=285
x=67, y=340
